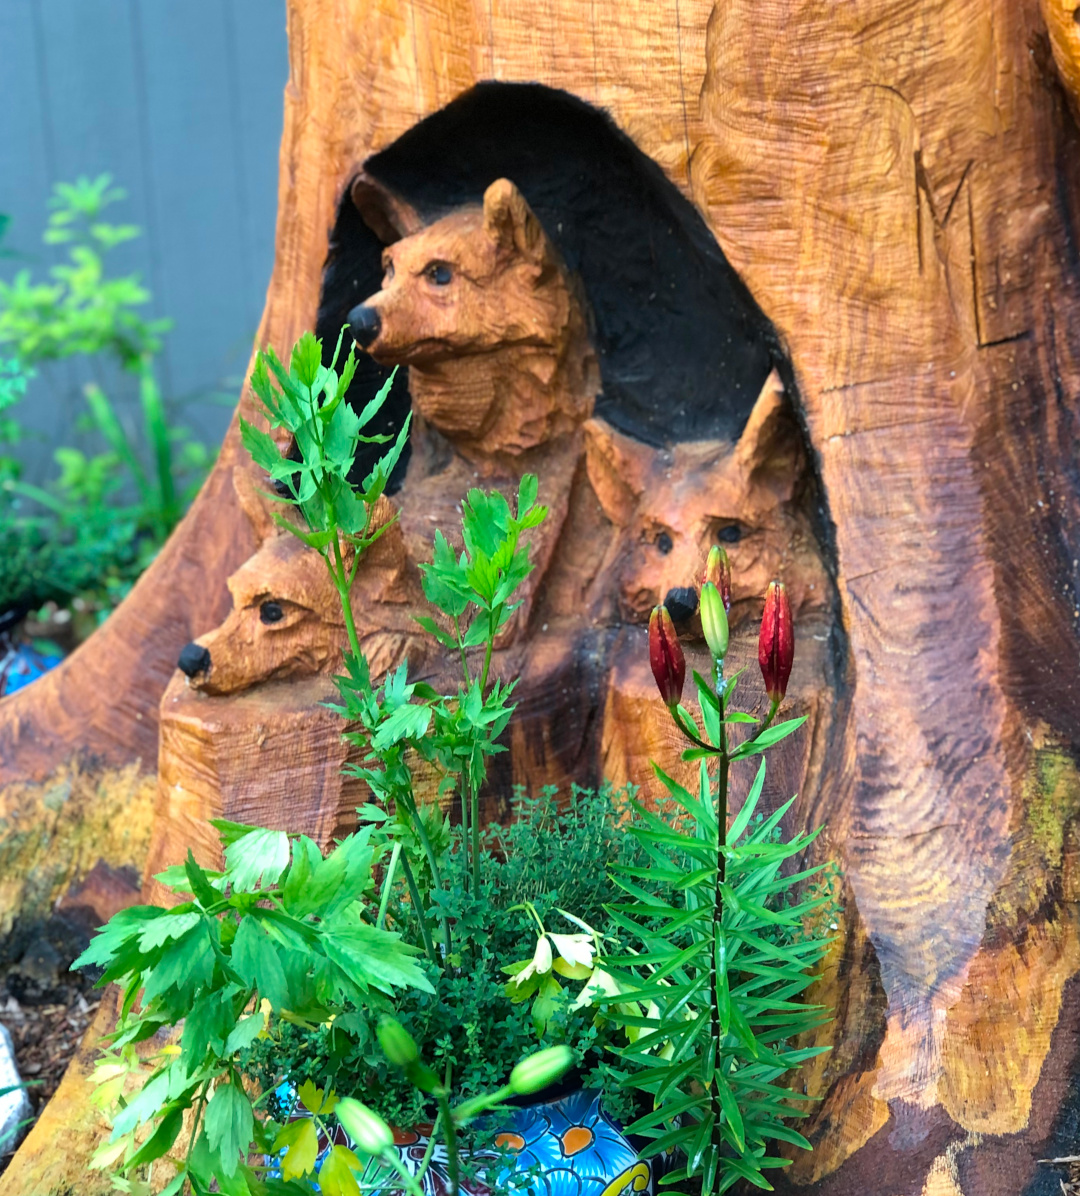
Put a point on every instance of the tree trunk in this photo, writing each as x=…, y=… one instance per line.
x=899, y=187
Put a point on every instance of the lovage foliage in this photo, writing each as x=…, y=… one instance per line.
x=279, y=932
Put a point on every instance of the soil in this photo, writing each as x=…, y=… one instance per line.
x=46, y=1008
x=46, y=1036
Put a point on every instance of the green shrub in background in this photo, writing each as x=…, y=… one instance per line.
x=93, y=529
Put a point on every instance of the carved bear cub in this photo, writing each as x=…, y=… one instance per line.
x=286, y=619
x=485, y=315
x=502, y=374
x=670, y=505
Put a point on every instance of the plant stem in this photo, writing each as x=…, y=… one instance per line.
x=450, y=1132
x=341, y=583
x=773, y=708
x=199, y=1103
x=388, y=883
x=436, y=879
x=414, y=893
x=718, y=917
x=461, y=649
x=474, y=814
x=493, y=622
x=465, y=806
x=391, y=1156
x=421, y=833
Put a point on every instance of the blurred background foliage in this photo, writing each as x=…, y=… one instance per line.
x=77, y=543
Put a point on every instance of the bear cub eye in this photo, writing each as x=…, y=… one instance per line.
x=271, y=612
x=439, y=273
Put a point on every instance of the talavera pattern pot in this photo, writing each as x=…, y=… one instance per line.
x=564, y=1147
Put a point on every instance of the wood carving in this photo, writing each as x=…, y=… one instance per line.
x=899, y=187
x=1063, y=25
x=286, y=619
x=479, y=306
x=671, y=505
x=502, y=375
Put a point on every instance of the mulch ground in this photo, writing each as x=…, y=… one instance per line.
x=45, y=1037
x=1070, y=1184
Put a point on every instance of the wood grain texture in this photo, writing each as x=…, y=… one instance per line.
x=899, y=185
x=1063, y=25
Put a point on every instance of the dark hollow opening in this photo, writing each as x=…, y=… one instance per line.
x=683, y=347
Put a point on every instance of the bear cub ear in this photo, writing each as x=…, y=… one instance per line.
x=511, y=223
x=770, y=450
x=387, y=215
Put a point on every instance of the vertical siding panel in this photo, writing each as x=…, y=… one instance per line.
x=26, y=176
x=92, y=106
x=262, y=69
x=182, y=104
x=198, y=211
x=23, y=166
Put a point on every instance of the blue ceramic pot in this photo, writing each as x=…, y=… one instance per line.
x=563, y=1147
x=22, y=663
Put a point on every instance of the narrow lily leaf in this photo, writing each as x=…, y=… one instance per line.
x=731, y=1110
x=742, y=819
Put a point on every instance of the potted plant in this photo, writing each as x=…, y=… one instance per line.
x=433, y=974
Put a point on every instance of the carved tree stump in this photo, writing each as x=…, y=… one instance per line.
x=899, y=186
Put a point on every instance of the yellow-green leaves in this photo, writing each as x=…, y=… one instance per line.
x=337, y=1174
x=300, y=1141
x=317, y=1101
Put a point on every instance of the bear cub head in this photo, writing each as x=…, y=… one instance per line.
x=481, y=308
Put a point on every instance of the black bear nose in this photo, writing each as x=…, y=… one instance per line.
x=194, y=658
x=365, y=324
x=681, y=603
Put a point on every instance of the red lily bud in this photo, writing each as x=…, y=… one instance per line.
x=666, y=656
x=718, y=571
x=776, y=644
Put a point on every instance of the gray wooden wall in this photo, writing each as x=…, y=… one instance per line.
x=181, y=101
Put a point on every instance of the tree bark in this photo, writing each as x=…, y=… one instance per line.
x=899, y=186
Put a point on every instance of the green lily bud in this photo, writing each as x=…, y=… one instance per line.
x=366, y=1128
x=714, y=622
x=540, y=1070
x=396, y=1042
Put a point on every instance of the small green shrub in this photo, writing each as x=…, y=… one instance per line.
x=95, y=527
x=553, y=854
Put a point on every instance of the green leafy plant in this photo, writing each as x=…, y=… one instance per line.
x=308, y=402
x=478, y=1018
x=285, y=933
x=417, y=961
x=709, y=993
x=82, y=310
x=14, y=379
x=142, y=482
